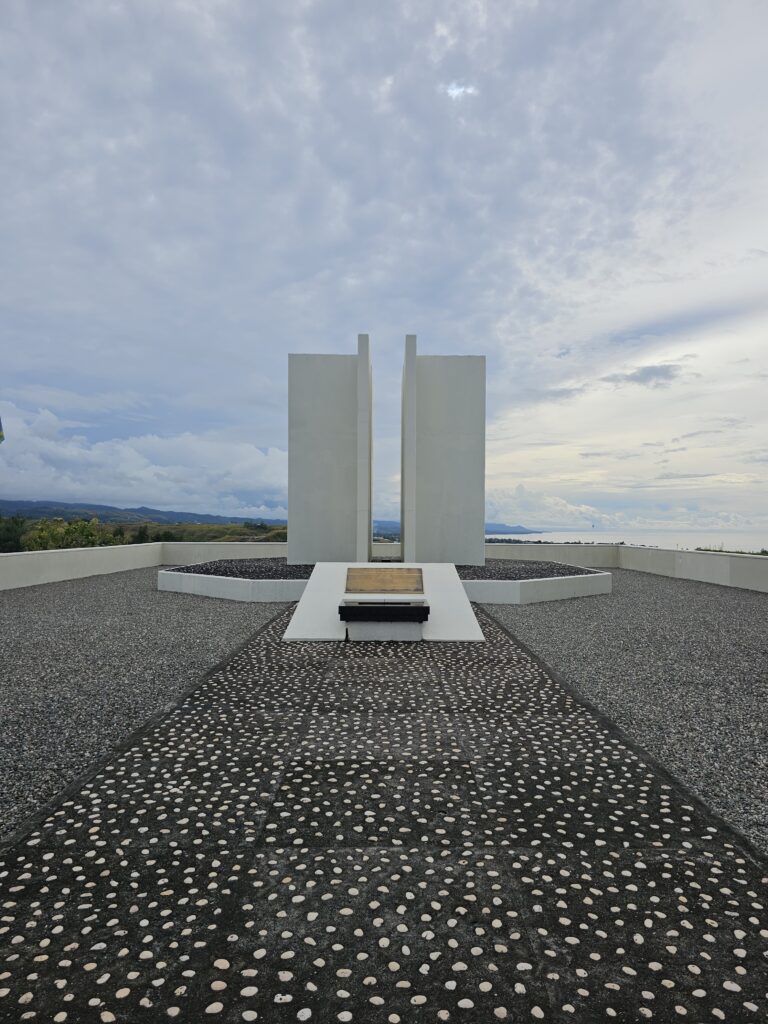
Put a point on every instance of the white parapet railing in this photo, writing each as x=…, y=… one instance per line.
x=591, y=556
x=28, y=568
x=182, y=552
x=747, y=572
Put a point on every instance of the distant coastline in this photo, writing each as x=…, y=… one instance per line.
x=748, y=541
x=70, y=510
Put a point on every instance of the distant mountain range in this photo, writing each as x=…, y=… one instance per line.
x=112, y=514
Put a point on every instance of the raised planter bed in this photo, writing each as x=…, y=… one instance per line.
x=499, y=581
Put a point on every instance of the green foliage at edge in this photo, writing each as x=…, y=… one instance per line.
x=20, y=534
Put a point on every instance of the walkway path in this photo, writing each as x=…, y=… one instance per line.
x=400, y=833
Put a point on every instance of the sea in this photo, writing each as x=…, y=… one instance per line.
x=719, y=539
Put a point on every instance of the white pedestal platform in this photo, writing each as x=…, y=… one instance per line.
x=317, y=614
x=407, y=631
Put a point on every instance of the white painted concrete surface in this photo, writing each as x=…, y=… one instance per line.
x=228, y=588
x=482, y=591
x=364, y=450
x=443, y=460
x=191, y=552
x=591, y=556
x=749, y=572
x=534, y=591
x=408, y=452
x=317, y=613
x=329, y=448
x=408, y=632
x=29, y=568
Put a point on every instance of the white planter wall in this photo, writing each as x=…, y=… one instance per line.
x=230, y=589
x=558, y=588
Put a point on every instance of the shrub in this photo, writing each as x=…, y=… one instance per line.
x=47, y=534
x=11, y=531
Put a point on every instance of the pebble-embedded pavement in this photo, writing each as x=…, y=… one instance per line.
x=387, y=833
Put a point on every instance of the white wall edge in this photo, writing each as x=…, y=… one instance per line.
x=556, y=588
x=589, y=556
x=193, y=552
x=229, y=588
x=32, y=568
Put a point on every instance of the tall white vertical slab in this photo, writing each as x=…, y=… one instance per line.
x=329, y=456
x=443, y=458
x=363, y=531
x=408, y=453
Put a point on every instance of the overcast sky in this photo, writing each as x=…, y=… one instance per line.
x=191, y=189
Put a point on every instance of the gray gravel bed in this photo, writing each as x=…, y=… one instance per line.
x=250, y=569
x=86, y=662
x=279, y=569
x=509, y=569
x=682, y=667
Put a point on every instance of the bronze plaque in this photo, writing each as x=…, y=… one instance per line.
x=384, y=581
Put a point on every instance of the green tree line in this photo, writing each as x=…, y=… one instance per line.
x=20, y=534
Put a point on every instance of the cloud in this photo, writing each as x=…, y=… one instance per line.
x=576, y=191
x=648, y=376
x=520, y=504
x=457, y=90
x=183, y=472
x=612, y=454
x=697, y=433
x=685, y=476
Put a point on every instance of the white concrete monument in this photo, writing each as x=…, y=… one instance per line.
x=442, y=482
x=329, y=456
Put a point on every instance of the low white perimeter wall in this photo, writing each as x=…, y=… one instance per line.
x=228, y=588
x=176, y=552
x=557, y=588
x=748, y=572
x=191, y=552
x=27, y=568
x=590, y=556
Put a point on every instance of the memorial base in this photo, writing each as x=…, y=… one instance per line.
x=407, y=631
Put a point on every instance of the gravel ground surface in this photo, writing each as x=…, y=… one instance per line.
x=507, y=569
x=682, y=667
x=86, y=662
x=388, y=833
x=250, y=569
x=278, y=569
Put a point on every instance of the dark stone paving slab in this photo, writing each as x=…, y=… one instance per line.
x=381, y=833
